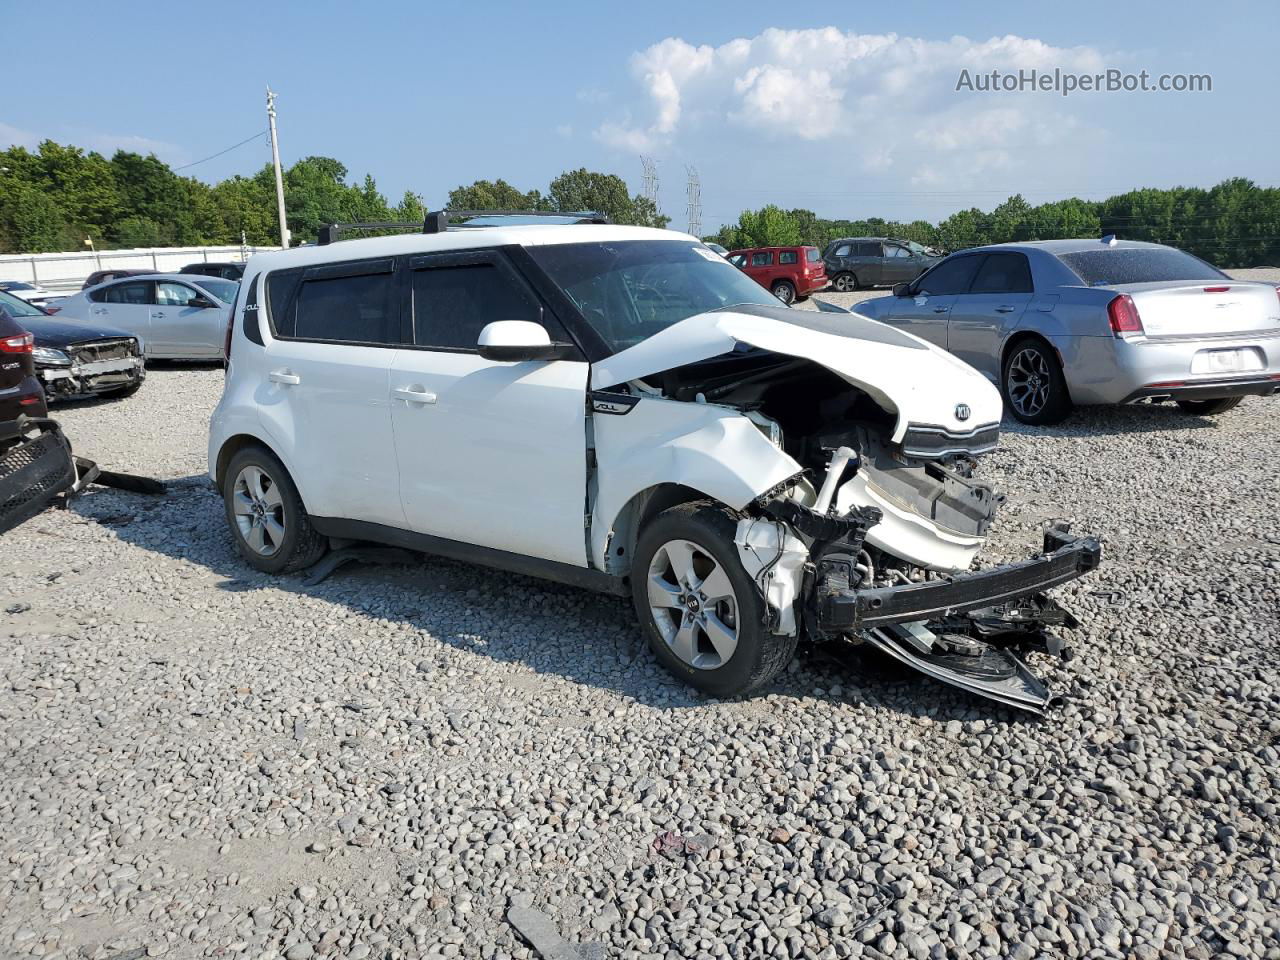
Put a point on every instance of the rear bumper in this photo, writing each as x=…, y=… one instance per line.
x=1115, y=370
x=1254, y=386
x=1065, y=558
x=808, y=285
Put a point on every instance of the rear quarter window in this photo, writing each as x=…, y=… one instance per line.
x=811, y=254
x=1118, y=265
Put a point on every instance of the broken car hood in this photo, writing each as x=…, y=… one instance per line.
x=923, y=385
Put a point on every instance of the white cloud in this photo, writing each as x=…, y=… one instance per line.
x=890, y=94
x=11, y=136
x=104, y=143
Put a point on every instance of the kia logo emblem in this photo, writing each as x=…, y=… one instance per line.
x=962, y=411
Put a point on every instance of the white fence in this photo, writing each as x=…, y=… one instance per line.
x=66, y=272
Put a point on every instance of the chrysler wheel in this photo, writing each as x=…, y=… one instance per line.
x=268, y=522
x=703, y=616
x=259, y=510
x=1034, y=387
x=693, y=604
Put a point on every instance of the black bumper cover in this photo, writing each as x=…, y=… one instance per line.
x=1064, y=558
x=34, y=470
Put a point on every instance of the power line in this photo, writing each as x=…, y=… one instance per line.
x=260, y=133
x=650, y=180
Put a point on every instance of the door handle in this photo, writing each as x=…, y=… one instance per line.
x=158, y=315
x=941, y=309
x=99, y=310
x=1005, y=309
x=285, y=377
x=414, y=394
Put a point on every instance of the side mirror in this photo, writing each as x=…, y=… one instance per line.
x=514, y=340
x=902, y=289
x=201, y=303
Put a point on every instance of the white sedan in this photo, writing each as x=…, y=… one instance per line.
x=176, y=316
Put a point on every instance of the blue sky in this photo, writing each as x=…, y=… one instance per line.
x=849, y=109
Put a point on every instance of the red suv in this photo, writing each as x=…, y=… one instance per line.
x=791, y=273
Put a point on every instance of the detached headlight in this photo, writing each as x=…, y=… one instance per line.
x=50, y=356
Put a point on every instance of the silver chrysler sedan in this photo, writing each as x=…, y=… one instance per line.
x=1056, y=323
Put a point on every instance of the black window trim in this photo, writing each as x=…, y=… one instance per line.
x=357, y=268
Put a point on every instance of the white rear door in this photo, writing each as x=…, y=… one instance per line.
x=323, y=390
x=490, y=453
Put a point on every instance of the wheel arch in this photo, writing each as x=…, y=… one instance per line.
x=242, y=441
x=636, y=513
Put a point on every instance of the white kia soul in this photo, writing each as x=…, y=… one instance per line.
x=622, y=409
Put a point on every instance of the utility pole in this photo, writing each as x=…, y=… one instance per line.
x=694, y=195
x=275, y=162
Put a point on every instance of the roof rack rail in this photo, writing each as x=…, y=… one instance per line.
x=437, y=221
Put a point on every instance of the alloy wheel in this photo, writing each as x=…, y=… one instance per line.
x=845, y=283
x=785, y=292
x=259, y=510
x=693, y=605
x=1028, y=381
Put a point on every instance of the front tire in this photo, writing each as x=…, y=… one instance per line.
x=1031, y=380
x=703, y=616
x=785, y=291
x=265, y=513
x=1207, y=408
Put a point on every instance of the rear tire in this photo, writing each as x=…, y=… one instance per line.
x=703, y=616
x=268, y=522
x=785, y=291
x=1207, y=408
x=1031, y=381
x=845, y=282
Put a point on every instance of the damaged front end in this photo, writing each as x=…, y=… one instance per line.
x=969, y=629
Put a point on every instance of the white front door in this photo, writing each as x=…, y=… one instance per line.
x=490, y=453
x=323, y=394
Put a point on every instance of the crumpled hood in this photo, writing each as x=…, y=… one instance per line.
x=924, y=385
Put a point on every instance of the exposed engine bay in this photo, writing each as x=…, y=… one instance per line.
x=866, y=543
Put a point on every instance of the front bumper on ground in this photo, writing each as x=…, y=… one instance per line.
x=36, y=467
x=1064, y=558
x=94, y=376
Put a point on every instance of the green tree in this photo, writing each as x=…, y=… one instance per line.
x=30, y=222
x=494, y=195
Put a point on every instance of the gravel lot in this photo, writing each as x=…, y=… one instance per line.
x=202, y=761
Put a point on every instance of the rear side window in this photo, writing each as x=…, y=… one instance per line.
x=1138, y=265
x=762, y=259
x=788, y=256
x=452, y=304
x=346, y=303
x=135, y=293
x=949, y=277
x=866, y=248
x=1003, y=273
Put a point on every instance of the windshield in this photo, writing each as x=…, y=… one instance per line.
x=1103, y=268
x=17, y=307
x=224, y=290
x=629, y=290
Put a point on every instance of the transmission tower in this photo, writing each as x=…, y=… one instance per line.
x=694, y=193
x=650, y=180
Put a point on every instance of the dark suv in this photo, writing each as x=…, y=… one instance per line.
x=226, y=271
x=20, y=388
x=854, y=262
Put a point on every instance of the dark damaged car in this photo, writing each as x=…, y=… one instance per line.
x=75, y=358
